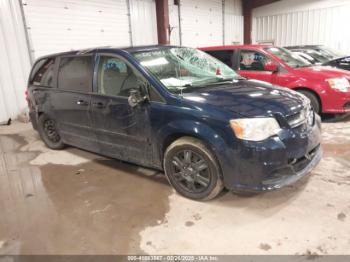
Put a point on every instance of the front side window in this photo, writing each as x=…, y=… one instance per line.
x=116, y=77
x=75, y=74
x=253, y=61
x=291, y=59
x=183, y=69
x=43, y=71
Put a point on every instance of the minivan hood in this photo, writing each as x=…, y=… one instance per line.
x=250, y=98
x=322, y=72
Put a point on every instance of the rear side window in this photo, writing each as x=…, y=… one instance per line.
x=224, y=56
x=43, y=71
x=75, y=74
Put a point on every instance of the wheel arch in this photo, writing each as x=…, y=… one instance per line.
x=208, y=136
x=312, y=92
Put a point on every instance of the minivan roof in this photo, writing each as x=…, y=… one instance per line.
x=129, y=49
x=225, y=47
x=302, y=46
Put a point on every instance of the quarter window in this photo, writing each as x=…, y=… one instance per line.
x=116, y=77
x=224, y=56
x=43, y=71
x=253, y=61
x=75, y=74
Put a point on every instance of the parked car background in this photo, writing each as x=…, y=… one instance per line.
x=320, y=55
x=327, y=88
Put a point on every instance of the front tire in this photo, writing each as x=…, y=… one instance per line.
x=192, y=169
x=49, y=133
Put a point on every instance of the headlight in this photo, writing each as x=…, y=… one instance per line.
x=254, y=129
x=340, y=84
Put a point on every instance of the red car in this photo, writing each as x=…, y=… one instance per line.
x=327, y=88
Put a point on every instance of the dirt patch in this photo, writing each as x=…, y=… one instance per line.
x=107, y=204
x=341, y=216
x=98, y=207
x=265, y=247
x=189, y=223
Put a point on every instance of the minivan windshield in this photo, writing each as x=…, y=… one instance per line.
x=292, y=60
x=182, y=69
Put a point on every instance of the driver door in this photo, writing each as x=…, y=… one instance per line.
x=252, y=66
x=122, y=131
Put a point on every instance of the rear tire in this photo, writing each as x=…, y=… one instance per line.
x=192, y=169
x=49, y=132
x=315, y=103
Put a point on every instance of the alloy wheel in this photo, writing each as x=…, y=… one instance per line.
x=191, y=171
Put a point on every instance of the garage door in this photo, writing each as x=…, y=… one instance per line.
x=201, y=22
x=56, y=25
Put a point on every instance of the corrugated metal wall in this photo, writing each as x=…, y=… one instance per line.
x=15, y=61
x=303, y=23
x=206, y=22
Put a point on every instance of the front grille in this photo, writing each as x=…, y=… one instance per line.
x=299, y=164
x=306, y=115
x=295, y=165
x=294, y=120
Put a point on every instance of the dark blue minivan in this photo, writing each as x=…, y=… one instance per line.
x=179, y=110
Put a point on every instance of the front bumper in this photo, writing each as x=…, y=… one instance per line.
x=276, y=162
x=337, y=102
x=289, y=175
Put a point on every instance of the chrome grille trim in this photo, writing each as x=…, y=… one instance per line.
x=306, y=115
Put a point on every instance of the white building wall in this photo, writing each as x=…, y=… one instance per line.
x=299, y=22
x=15, y=61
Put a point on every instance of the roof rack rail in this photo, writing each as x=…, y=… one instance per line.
x=85, y=51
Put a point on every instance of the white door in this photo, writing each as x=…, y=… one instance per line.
x=143, y=22
x=56, y=25
x=201, y=22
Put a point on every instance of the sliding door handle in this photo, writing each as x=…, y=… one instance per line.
x=82, y=103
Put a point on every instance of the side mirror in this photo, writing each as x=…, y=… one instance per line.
x=136, y=97
x=272, y=67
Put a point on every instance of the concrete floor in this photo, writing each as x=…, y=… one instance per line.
x=75, y=202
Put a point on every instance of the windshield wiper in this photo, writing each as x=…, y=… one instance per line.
x=221, y=81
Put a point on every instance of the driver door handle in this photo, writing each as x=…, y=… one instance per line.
x=98, y=105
